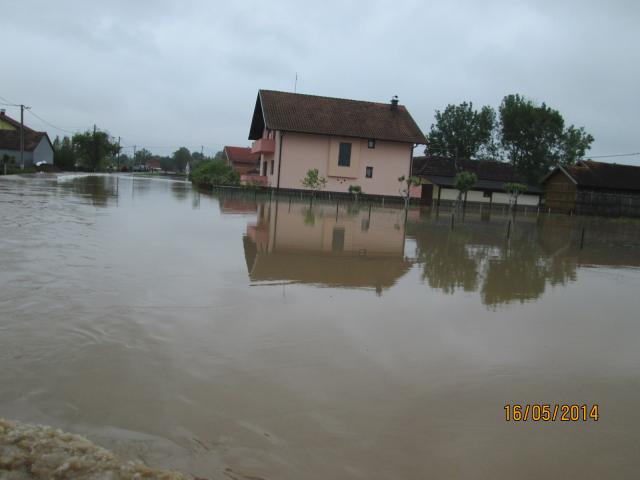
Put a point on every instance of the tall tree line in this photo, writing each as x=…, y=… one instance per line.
x=96, y=150
x=533, y=137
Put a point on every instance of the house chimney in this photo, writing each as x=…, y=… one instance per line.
x=394, y=102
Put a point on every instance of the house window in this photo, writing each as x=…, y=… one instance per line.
x=344, y=157
x=272, y=162
x=337, y=244
x=369, y=172
x=371, y=143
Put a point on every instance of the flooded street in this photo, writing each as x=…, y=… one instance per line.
x=240, y=337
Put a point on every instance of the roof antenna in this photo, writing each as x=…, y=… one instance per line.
x=295, y=85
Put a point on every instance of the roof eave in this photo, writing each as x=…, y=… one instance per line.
x=408, y=141
x=253, y=135
x=556, y=169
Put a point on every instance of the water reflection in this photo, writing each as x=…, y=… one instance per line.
x=110, y=190
x=476, y=255
x=351, y=246
x=101, y=190
x=324, y=244
x=135, y=324
x=180, y=190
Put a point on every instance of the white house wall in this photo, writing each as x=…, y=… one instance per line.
x=43, y=152
x=477, y=196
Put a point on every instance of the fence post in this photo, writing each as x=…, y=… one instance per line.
x=509, y=229
x=582, y=238
x=452, y=220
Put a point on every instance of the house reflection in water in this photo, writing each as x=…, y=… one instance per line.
x=310, y=245
x=348, y=247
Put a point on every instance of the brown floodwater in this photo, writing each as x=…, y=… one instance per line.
x=240, y=337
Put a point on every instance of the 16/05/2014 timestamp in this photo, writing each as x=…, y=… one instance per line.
x=544, y=412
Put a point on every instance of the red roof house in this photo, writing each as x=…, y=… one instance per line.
x=242, y=160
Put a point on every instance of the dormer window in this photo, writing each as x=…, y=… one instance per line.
x=371, y=143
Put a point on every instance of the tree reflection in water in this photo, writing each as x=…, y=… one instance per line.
x=477, y=256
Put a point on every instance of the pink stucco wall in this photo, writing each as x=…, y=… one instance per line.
x=302, y=152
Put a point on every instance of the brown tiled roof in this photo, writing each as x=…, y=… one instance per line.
x=449, y=167
x=296, y=112
x=241, y=155
x=607, y=176
x=10, y=139
x=6, y=118
x=491, y=175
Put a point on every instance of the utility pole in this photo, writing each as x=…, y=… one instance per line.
x=95, y=148
x=118, y=155
x=133, y=162
x=22, y=107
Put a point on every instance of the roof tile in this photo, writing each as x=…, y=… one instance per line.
x=296, y=112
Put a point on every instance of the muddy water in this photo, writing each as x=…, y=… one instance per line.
x=236, y=337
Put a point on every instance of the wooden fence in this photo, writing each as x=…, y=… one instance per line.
x=607, y=204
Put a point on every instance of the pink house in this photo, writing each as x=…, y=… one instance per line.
x=350, y=142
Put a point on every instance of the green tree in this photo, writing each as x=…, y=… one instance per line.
x=123, y=160
x=535, y=139
x=514, y=190
x=575, y=143
x=167, y=164
x=181, y=157
x=355, y=190
x=313, y=181
x=196, y=158
x=93, y=148
x=220, y=155
x=212, y=173
x=63, y=155
x=142, y=157
x=405, y=187
x=460, y=131
x=464, y=182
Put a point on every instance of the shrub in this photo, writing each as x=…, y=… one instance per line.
x=211, y=173
x=314, y=181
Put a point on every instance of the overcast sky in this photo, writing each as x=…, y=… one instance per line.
x=161, y=73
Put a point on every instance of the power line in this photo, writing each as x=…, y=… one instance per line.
x=48, y=123
x=13, y=104
x=632, y=154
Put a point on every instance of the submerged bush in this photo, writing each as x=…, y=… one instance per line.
x=211, y=173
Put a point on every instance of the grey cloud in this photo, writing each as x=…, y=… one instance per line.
x=167, y=73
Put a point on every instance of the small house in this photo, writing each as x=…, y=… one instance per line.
x=438, y=175
x=242, y=160
x=594, y=188
x=37, y=145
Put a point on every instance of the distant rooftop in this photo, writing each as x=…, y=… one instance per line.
x=10, y=139
x=241, y=155
x=591, y=174
x=491, y=175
